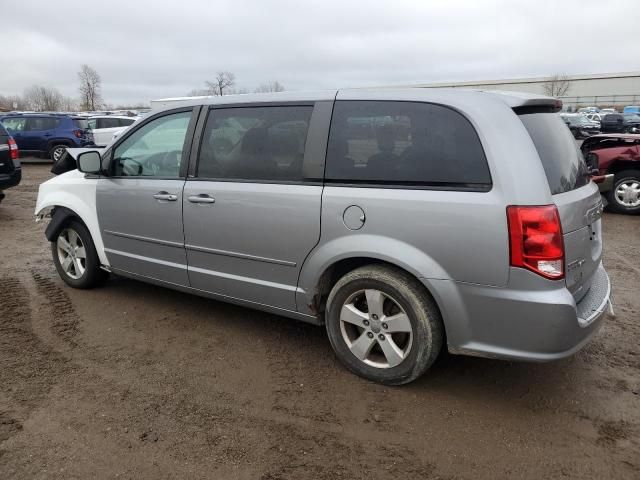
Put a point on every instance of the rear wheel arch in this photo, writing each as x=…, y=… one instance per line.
x=334, y=272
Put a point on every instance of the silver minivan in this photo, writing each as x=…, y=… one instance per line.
x=404, y=220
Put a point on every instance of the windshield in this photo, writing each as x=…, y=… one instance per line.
x=632, y=117
x=563, y=163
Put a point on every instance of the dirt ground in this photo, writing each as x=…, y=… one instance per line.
x=136, y=381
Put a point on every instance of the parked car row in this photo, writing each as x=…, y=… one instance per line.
x=617, y=154
x=53, y=133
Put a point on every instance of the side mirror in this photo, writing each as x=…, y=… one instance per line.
x=89, y=162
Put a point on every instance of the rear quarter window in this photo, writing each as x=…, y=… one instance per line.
x=404, y=144
x=561, y=158
x=81, y=123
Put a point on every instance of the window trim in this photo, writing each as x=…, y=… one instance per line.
x=408, y=185
x=186, y=148
x=199, y=137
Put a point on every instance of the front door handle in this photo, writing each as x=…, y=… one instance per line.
x=202, y=198
x=166, y=196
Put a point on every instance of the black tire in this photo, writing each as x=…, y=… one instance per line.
x=54, y=148
x=407, y=293
x=614, y=204
x=93, y=275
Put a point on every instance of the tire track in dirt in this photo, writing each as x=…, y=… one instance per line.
x=64, y=319
x=29, y=367
x=301, y=368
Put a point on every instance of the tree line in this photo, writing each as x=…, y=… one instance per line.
x=41, y=98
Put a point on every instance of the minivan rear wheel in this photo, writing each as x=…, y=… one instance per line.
x=383, y=325
x=624, y=197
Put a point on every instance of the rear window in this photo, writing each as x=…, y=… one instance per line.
x=561, y=158
x=81, y=123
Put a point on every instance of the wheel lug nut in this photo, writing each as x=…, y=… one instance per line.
x=369, y=334
x=381, y=337
x=385, y=326
x=366, y=323
x=374, y=316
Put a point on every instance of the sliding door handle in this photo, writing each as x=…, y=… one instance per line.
x=202, y=198
x=165, y=196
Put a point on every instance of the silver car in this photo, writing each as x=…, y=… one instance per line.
x=404, y=221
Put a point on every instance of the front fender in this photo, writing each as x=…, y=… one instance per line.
x=386, y=249
x=77, y=194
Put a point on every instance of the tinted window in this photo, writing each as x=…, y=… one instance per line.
x=561, y=158
x=107, y=123
x=255, y=143
x=14, y=124
x=35, y=124
x=154, y=150
x=404, y=143
x=82, y=123
x=125, y=122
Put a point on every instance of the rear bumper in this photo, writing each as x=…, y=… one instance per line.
x=8, y=180
x=541, y=322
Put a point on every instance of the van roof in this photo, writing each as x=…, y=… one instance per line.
x=511, y=99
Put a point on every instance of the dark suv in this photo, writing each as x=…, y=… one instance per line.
x=620, y=123
x=47, y=133
x=10, y=171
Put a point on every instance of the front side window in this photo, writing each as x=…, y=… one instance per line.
x=404, y=143
x=255, y=143
x=154, y=150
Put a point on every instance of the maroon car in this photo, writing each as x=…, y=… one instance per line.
x=617, y=154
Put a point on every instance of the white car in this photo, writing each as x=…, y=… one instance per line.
x=106, y=127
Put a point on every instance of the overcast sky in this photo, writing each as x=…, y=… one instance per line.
x=146, y=49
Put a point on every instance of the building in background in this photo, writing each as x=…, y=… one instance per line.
x=604, y=90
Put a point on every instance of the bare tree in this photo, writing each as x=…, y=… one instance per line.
x=272, y=86
x=90, y=88
x=43, y=99
x=222, y=82
x=557, y=86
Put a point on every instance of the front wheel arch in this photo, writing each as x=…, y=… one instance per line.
x=60, y=217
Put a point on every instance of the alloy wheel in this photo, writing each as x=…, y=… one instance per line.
x=628, y=193
x=58, y=152
x=71, y=253
x=376, y=329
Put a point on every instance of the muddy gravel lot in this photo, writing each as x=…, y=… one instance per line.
x=136, y=381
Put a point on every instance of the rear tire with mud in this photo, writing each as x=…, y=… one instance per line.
x=75, y=256
x=383, y=324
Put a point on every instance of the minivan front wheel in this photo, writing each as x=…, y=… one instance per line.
x=75, y=257
x=383, y=325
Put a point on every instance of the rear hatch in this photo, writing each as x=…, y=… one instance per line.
x=83, y=125
x=576, y=197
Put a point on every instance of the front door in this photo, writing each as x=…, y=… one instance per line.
x=252, y=208
x=140, y=202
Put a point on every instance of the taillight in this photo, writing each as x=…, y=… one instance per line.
x=535, y=240
x=13, y=148
x=78, y=133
